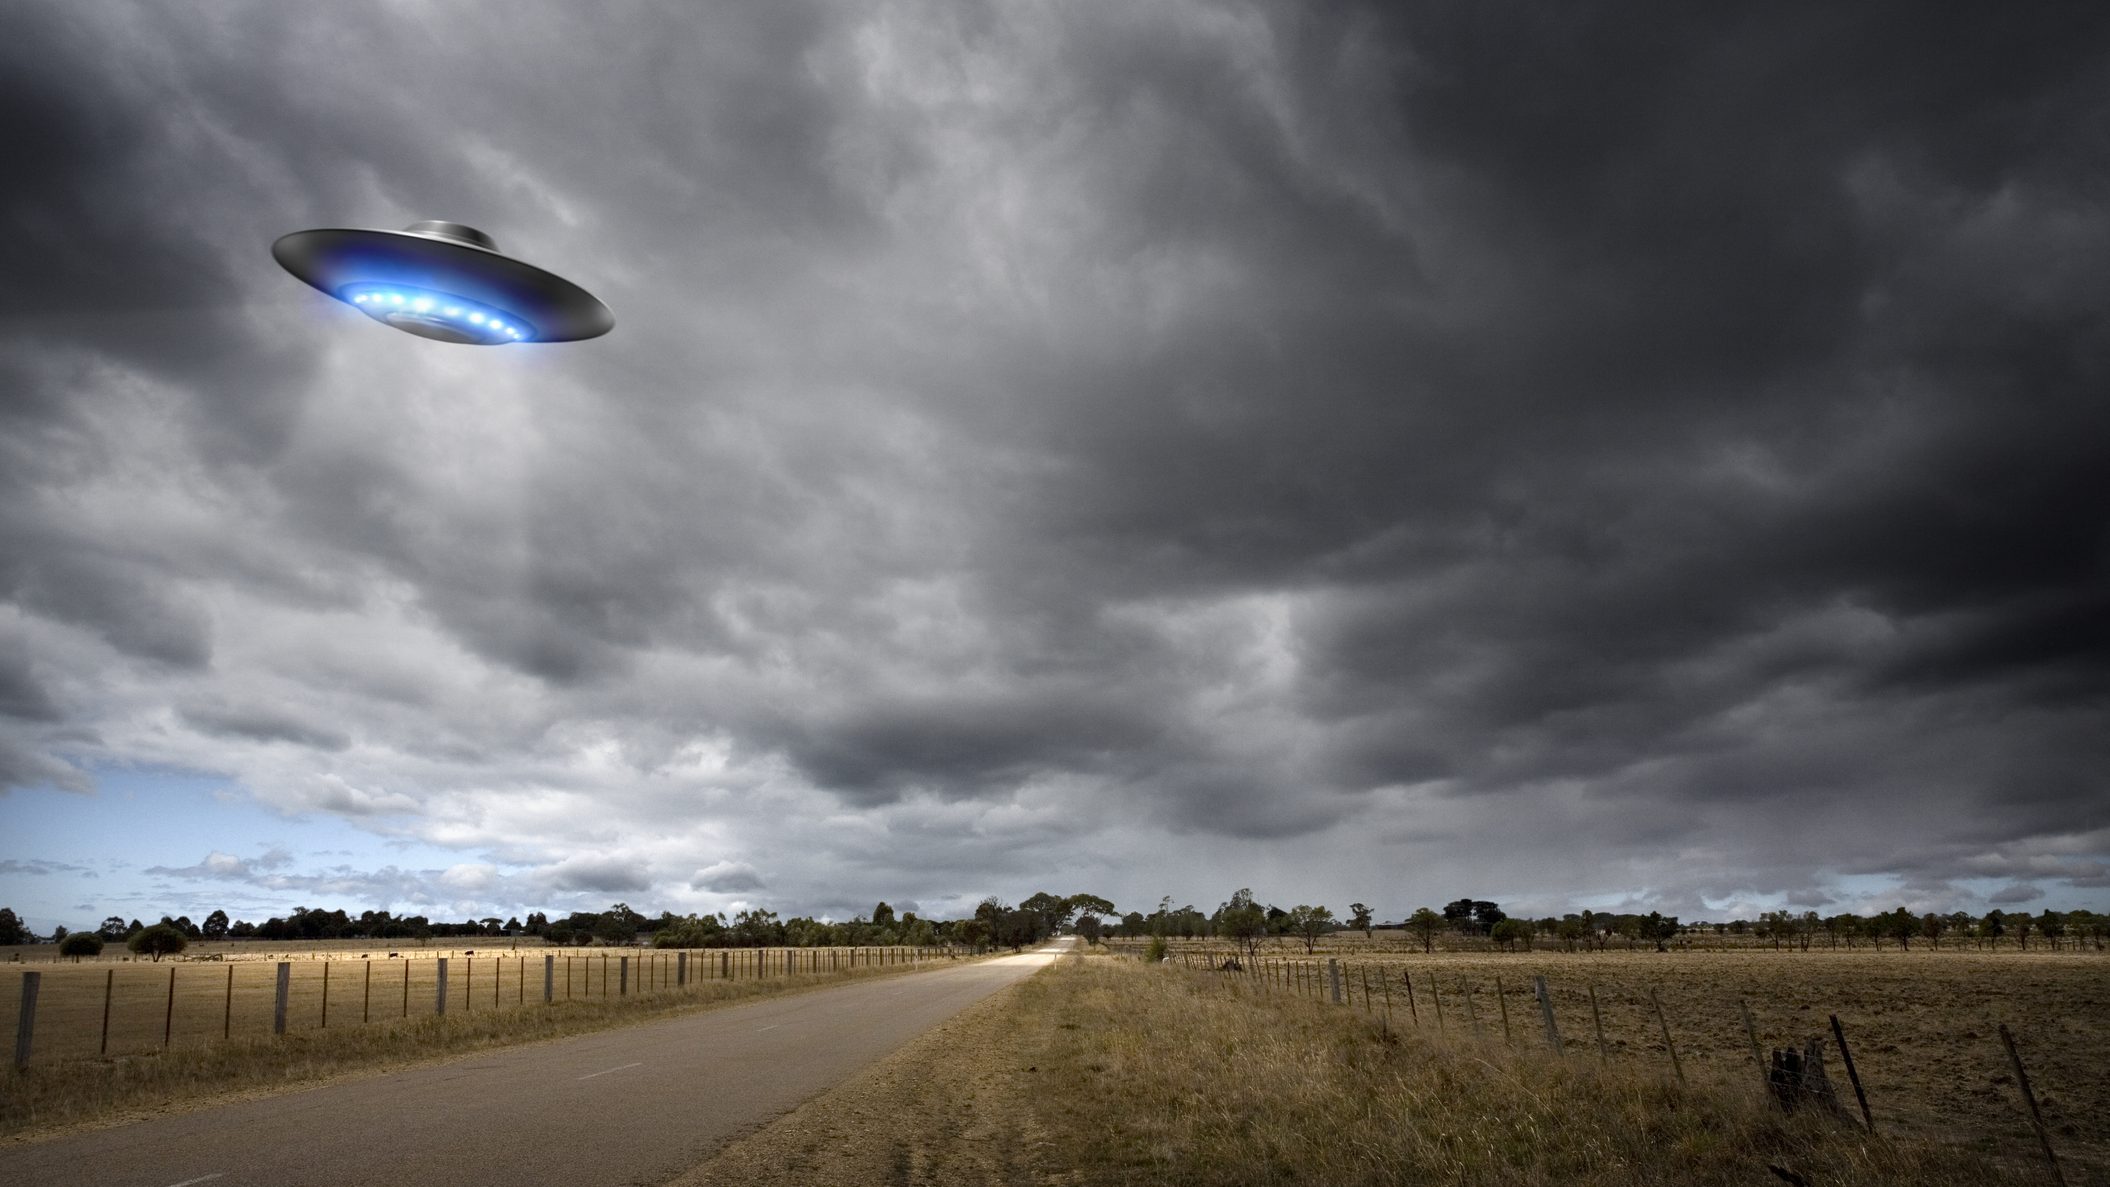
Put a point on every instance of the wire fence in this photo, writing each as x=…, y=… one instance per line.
x=1907, y=1060
x=103, y=1009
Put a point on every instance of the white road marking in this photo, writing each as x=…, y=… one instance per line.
x=201, y=1179
x=771, y=1026
x=639, y=1063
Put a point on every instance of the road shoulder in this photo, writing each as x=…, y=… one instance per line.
x=952, y=1107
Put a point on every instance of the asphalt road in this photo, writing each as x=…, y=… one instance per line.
x=639, y=1105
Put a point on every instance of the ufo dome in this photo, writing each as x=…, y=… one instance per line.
x=443, y=281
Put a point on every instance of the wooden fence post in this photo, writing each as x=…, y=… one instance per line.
x=1472, y=1012
x=1413, y=1011
x=1553, y=1033
x=2037, y=1119
x=26, y=1023
x=622, y=964
x=1597, y=1022
x=1665, y=1024
x=1436, y=995
x=1333, y=975
x=279, y=996
x=168, y=1020
x=366, y=996
x=110, y=989
x=1503, y=1002
x=406, y=989
x=681, y=970
x=549, y=979
x=325, y=992
x=227, y=1009
x=1751, y=1033
x=1839, y=1033
x=439, y=993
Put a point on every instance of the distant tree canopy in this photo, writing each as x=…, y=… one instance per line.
x=81, y=943
x=11, y=929
x=1359, y=918
x=1241, y=919
x=158, y=941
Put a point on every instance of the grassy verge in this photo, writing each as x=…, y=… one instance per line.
x=1193, y=1078
x=48, y=1099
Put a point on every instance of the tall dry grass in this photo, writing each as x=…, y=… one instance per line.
x=1170, y=1076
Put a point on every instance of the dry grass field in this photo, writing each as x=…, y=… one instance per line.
x=1921, y=1025
x=229, y=991
x=1112, y=1071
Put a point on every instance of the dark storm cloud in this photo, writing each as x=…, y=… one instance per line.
x=1594, y=447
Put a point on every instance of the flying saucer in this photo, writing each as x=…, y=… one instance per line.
x=443, y=281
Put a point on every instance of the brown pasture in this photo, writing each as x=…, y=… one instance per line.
x=1922, y=1025
x=335, y=984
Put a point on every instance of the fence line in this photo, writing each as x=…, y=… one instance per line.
x=1264, y=975
x=63, y=1012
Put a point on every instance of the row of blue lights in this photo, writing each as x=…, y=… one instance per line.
x=379, y=301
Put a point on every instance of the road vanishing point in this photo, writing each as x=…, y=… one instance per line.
x=641, y=1104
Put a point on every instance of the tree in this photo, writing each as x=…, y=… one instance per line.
x=1509, y=931
x=1425, y=923
x=11, y=929
x=1311, y=923
x=158, y=940
x=619, y=924
x=882, y=916
x=1359, y=917
x=81, y=943
x=1089, y=926
x=215, y=927
x=1660, y=928
x=1053, y=913
x=1459, y=915
x=113, y=928
x=1241, y=919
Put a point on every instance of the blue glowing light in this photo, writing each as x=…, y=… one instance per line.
x=447, y=316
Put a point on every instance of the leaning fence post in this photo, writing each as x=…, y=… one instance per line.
x=279, y=996
x=1597, y=1023
x=1553, y=1034
x=1502, y=1002
x=2037, y=1119
x=1751, y=1032
x=439, y=993
x=1333, y=977
x=1839, y=1033
x=26, y=1028
x=1665, y=1024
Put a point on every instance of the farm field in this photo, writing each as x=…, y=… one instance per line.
x=1922, y=1026
x=228, y=991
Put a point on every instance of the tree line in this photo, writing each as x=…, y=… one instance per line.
x=994, y=923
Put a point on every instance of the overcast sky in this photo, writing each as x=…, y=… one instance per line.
x=1638, y=454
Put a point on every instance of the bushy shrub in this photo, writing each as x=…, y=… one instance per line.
x=81, y=943
x=1155, y=952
